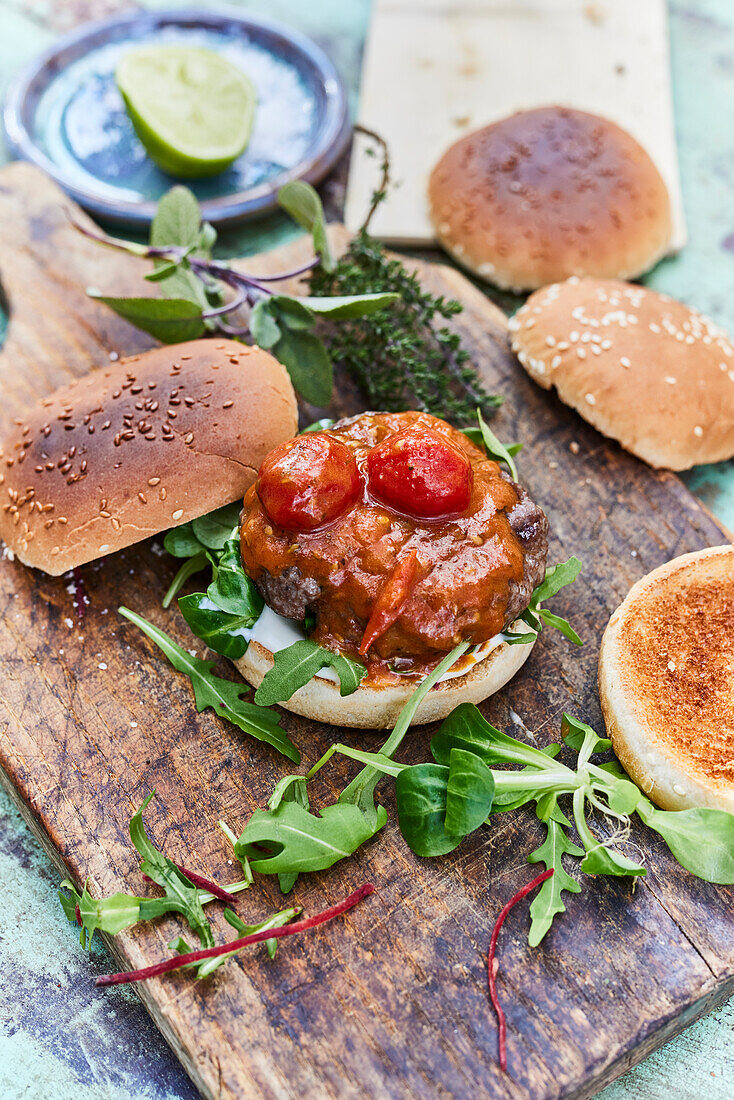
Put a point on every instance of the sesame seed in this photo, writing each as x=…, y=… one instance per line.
x=581, y=352
x=624, y=361
x=104, y=548
x=590, y=399
x=671, y=666
x=698, y=430
x=153, y=480
x=670, y=381
x=177, y=514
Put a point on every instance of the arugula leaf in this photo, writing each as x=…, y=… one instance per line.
x=113, y=914
x=215, y=529
x=556, y=578
x=560, y=624
x=224, y=696
x=548, y=902
x=181, y=894
x=701, y=839
x=301, y=201
x=297, y=664
x=170, y=320
x=469, y=793
x=494, y=448
x=297, y=840
x=308, y=364
x=232, y=589
x=467, y=728
x=181, y=542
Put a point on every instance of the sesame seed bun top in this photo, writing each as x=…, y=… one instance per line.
x=666, y=681
x=137, y=447
x=644, y=369
x=549, y=193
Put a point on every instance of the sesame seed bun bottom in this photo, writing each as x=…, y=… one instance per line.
x=378, y=707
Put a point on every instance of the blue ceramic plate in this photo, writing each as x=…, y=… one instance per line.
x=65, y=114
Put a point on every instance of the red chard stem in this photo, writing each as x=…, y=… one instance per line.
x=234, y=945
x=493, y=965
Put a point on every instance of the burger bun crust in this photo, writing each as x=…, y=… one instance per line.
x=666, y=681
x=378, y=707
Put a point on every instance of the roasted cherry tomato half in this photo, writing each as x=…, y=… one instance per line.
x=308, y=481
x=419, y=472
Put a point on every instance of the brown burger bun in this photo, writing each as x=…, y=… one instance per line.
x=138, y=447
x=666, y=681
x=645, y=370
x=378, y=707
x=549, y=193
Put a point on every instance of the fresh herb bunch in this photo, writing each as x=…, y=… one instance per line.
x=194, y=290
x=408, y=358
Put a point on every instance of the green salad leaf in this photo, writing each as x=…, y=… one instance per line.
x=224, y=696
x=297, y=664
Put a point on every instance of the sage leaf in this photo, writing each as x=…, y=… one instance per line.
x=170, y=320
x=301, y=201
x=349, y=307
x=469, y=793
x=224, y=696
x=292, y=312
x=177, y=219
x=307, y=361
x=701, y=839
x=264, y=329
x=297, y=664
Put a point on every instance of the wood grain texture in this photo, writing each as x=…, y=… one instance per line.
x=391, y=1002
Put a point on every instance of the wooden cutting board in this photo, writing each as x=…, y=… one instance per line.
x=391, y=1001
x=435, y=70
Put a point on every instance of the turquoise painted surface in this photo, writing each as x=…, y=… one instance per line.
x=60, y=1038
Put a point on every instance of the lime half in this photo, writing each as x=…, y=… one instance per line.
x=191, y=109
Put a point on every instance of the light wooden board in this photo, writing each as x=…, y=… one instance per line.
x=436, y=69
x=391, y=1003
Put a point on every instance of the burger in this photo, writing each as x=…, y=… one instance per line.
x=369, y=556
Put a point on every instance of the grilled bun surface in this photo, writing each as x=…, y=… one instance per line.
x=139, y=446
x=549, y=193
x=644, y=369
x=666, y=681
x=377, y=706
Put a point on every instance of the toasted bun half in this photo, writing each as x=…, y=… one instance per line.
x=644, y=369
x=666, y=681
x=549, y=193
x=138, y=447
x=372, y=707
